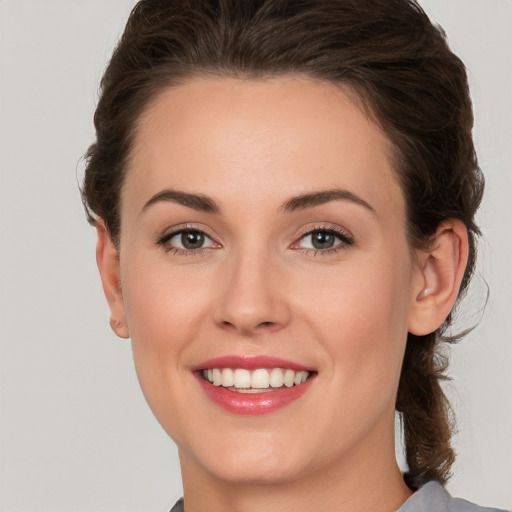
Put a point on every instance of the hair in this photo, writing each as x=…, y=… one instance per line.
x=400, y=68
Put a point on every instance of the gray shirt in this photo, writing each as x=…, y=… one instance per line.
x=432, y=497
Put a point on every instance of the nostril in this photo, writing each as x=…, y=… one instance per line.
x=247, y=329
x=267, y=327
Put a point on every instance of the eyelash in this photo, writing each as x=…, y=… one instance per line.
x=344, y=240
x=164, y=240
x=343, y=237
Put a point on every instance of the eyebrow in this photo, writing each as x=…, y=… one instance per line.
x=197, y=202
x=324, y=196
x=205, y=204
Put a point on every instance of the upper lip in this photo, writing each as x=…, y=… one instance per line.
x=250, y=363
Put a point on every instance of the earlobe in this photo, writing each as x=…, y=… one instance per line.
x=439, y=273
x=107, y=259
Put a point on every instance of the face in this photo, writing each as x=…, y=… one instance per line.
x=262, y=229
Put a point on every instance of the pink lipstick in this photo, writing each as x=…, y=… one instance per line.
x=253, y=385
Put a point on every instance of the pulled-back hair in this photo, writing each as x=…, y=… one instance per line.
x=403, y=74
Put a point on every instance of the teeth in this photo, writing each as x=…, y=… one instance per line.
x=262, y=378
x=228, y=378
x=217, y=377
x=242, y=378
x=289, y=378
x=276, y=378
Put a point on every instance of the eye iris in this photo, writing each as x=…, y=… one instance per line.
x=192, y=239
x=322, y=240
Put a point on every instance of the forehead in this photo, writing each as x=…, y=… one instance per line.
x=242, y=140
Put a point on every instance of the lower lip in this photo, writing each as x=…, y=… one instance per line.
x=253, y=404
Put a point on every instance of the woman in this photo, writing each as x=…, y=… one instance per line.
x=284, y=195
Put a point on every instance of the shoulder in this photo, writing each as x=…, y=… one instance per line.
x=178, y=507
x=433, y=496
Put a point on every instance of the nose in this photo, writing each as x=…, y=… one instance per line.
x=252, y=296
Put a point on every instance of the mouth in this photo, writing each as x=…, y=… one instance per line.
x=253, y=385
x=261, y=380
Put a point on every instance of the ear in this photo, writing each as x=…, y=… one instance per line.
x=107, y=259
x=438, y=277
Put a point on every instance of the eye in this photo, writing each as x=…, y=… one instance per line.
x=323, y=240
x=320, y=240
x=186, y=240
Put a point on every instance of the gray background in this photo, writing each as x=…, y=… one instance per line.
x=76, y=434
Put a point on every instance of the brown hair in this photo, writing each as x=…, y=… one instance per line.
x=399, y=66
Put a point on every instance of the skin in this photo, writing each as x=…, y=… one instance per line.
x=259, y=288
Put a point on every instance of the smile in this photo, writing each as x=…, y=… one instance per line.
x=253, y=385
x=241, y=380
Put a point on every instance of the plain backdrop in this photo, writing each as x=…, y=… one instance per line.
x=76, y=434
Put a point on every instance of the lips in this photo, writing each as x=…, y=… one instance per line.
x=253, y=385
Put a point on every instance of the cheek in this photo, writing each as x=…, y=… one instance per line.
x=359, y=321
x=162, y=303
x=360, y=316
x=165, y=311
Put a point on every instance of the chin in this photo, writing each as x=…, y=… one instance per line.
x=256, y=472
x=248, y=460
